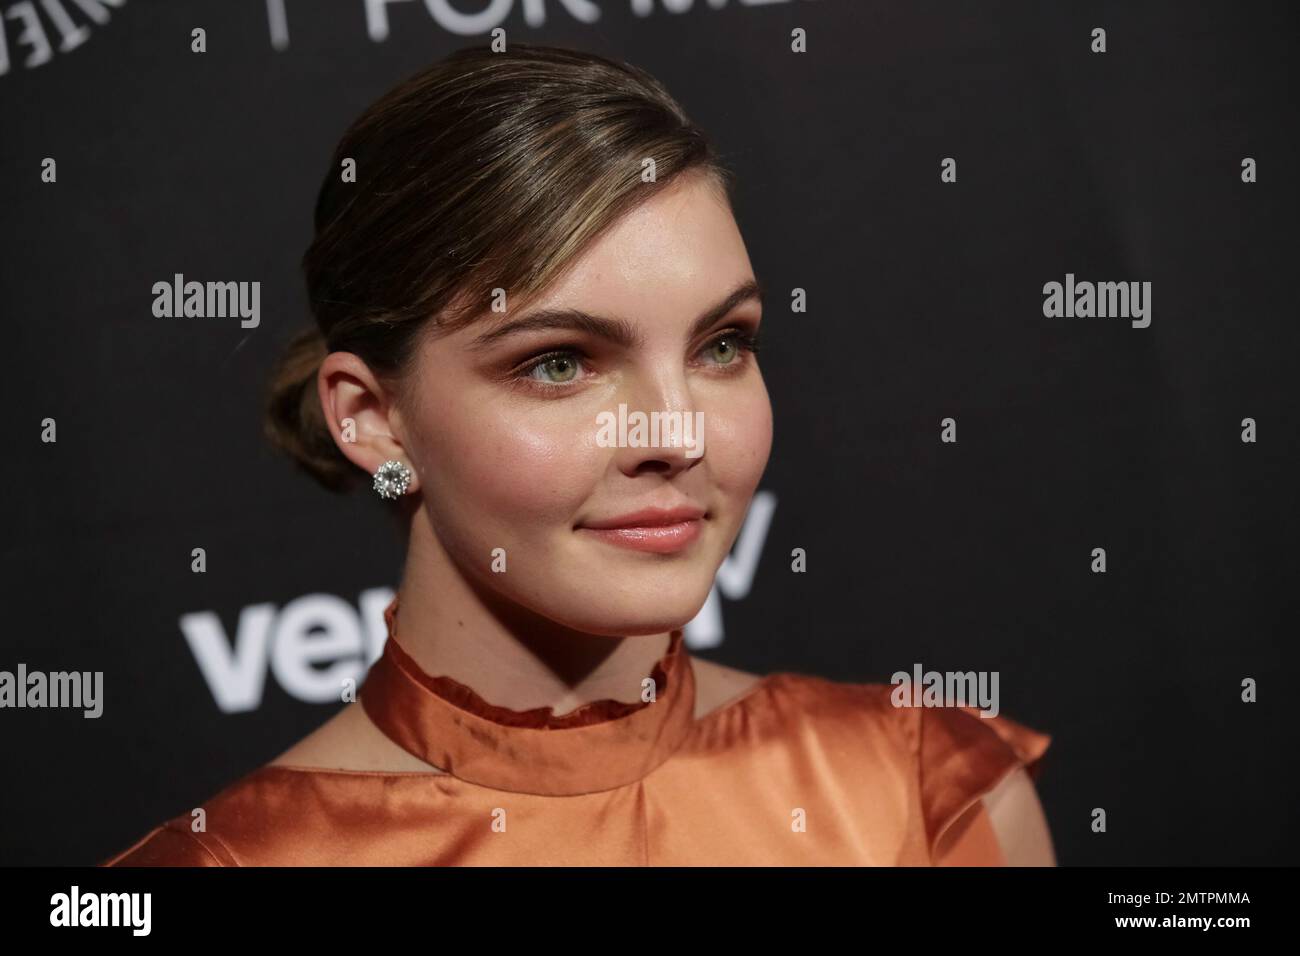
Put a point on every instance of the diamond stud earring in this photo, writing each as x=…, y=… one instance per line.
x=392, y=478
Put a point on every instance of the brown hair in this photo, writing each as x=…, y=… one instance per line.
x=486, y=170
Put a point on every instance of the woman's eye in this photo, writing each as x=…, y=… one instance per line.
x=729, y=346
x=724, y=349
x=557, y=369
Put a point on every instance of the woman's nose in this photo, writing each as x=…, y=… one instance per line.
x=655, y=425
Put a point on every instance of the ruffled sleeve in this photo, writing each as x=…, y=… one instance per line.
x=963, y=756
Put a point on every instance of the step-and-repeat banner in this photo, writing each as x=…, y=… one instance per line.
x=993, y=452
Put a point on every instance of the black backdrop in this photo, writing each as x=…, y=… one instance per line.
x=925, y=301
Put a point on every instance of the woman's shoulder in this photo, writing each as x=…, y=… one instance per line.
x=338, y=761
x=172, y=844
x=189, y=838
x=797, y=710
x=950, y=758
x=931, y=734
x=832, y=703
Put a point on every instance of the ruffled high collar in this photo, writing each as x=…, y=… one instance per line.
x=599, y=746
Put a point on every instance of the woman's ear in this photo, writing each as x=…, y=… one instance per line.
x=362, y=415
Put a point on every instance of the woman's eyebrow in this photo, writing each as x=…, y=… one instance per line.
x=618, y=331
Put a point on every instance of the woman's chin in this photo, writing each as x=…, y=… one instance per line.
x=634, y=617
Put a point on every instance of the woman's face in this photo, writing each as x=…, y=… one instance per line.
x=504, y=427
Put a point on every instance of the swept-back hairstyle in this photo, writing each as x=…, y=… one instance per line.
x=486, y=170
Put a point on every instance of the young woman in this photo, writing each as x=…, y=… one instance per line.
x=533, y=242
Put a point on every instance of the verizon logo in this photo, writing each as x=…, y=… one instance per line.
x=311, y=645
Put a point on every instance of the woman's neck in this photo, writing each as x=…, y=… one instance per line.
x=510, y=656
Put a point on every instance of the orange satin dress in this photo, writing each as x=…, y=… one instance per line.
x=798, y=771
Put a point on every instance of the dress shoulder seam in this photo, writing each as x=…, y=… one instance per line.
x=224, y=858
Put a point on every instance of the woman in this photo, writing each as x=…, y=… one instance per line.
x=511, y=251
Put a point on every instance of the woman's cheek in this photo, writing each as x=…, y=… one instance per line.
x=738, y=440
x=538, y=471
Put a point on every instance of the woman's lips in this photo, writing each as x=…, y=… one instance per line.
x=657, y=539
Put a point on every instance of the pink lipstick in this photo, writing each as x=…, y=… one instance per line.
x=655, y=530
